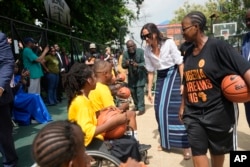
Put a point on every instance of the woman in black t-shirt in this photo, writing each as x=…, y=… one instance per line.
x=208, y=116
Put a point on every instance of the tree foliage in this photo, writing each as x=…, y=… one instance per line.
x=185, y=9
x=232, y=11
x=92, y=20
x=217, y=11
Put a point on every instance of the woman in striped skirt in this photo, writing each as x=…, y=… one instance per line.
x=163, y=56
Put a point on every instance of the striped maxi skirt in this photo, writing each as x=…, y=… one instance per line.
x=167, y=103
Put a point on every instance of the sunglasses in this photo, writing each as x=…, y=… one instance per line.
x=143, y=37
x=186, y=28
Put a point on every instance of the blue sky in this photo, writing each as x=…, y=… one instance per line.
x=157, y=11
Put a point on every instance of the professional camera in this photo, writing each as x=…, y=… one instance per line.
x=131, y=61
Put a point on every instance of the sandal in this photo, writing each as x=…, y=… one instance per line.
x=187, y=154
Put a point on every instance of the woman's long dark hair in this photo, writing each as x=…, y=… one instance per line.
x=152, y=29
x=75, y=79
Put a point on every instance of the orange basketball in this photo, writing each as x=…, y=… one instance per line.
x=105, y=116
x=123, y=92
x=235, y=89
x=121, y=77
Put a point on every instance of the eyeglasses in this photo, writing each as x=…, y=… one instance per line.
x=184, y=29
x=143, y=37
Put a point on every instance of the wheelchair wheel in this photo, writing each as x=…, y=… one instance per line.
x=103, y=159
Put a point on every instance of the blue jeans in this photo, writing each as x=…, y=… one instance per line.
x=52, y=81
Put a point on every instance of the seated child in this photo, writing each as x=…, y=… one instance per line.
x=78, y=82
x=27, y=106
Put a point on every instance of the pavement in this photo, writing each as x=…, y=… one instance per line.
x=147, y=134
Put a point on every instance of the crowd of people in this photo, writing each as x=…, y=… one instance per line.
x=185, y=119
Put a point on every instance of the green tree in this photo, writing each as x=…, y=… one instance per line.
x=208, y=9
x=185, y=9
x=217, y=11
x=92, y=20
x=233, y=11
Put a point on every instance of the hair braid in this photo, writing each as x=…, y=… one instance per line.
x=55, y=144
x=198, y=18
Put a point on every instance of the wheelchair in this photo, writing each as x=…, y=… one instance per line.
x=100, y=159
x=143, y=149
x=105, y=159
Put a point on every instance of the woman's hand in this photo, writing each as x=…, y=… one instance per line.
x=150, y=97
x=181, y=89
x=181, y=111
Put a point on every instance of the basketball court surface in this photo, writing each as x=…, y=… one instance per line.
x=147, y=134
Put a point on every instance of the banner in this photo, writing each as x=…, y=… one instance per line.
x=57, y=10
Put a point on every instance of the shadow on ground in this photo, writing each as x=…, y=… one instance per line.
x=243, y=140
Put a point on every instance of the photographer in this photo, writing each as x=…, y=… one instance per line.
x=133, y=60
x=92, y=55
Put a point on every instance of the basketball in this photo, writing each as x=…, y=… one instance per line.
x=235, y=89
x=118, y=131
x=121, y=77
x=123, y=92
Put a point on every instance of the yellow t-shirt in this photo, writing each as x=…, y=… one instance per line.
x=81, y=111
x=101, y=97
